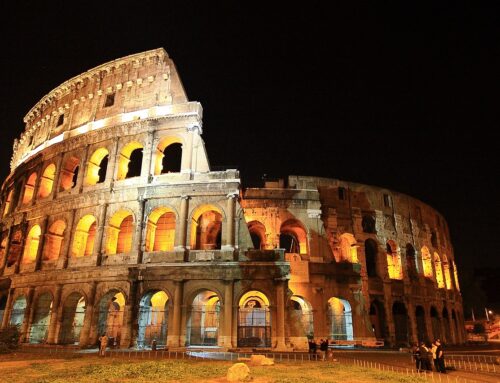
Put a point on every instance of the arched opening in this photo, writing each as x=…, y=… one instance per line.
x=377, y=319
x=7, y=203
x=18, y=311
x=411, y=262
x=15, y=247
x=29, y=188
x=340, y=319
x=47, y=181
x=436, y=323
x=31, y=246
x=130, y=161
x=439, y=271
x=447, y=327
x=53, y=240
x=153, y=319
x=168, y=156
x=97, y=167
x=446, y=271
x=456, y=327
x=421, y=325
x=400, y=317
x=348, y=248
x=72, y=319
x=455, y=275
x=120, y=232
x=83, y=241
x=203, y=320
x=254, y=320
x=371, y=250
x=434, y=241
x=206, y=228
x=258, y=234
x=368, y=224
x=3, y=303
x=160, y=230
x=394, y=265
x=69, y=174
x=301, y=317
x=293, y=237
x=41, y=319
x=110, y=320
x=427, y=262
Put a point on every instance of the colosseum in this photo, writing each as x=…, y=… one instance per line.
x=112, y=221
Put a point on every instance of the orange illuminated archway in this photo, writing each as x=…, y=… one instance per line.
x=47, y=181
x=29, y=188
x=83, y=242
x=160, y=150
x=206, y=228
x=31, y=246
x=6, y=205
x=348, y=248
x=120, y=232
x=293, y=236
x=124, y=159
x=455, y=275
x=160, y=230
x=446, y=271
x=258, y=234
x=394, y=265
x=69, y=173
x=427, y=262
x=53, y=241
x=97, y=167
x=439, y=271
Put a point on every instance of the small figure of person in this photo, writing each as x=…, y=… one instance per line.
x=433, y=351
x=440, y=357
x=103, y=343
x=425, y=363
x=314, y=348
x=153, y=345
x=417, y=356
x=324, y=349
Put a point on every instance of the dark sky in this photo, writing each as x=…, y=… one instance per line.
x=403, y=96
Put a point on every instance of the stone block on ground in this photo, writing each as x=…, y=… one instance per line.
x=261, y=360
x=238, y=372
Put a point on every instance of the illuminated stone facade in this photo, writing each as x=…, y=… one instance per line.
x=112, y=222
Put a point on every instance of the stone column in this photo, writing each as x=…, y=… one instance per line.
x=413, y=338
x=8, y=308
x=66, y=251
x=6, y=250
x=229, y=231
x=86, y=338
x=55, y=316
x=173, y=338
x=280, y=315
x=181, y=234
x=99, y=249
x=187, y=150
x=24, y=232
x=226, y=336
x=28, y=316
x=41, y=245
x=129, y=316
x=139, y=229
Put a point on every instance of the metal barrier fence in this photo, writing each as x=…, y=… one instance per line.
x=472, y=358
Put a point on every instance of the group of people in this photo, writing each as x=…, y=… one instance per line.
x=323, y=348
x=428, y=354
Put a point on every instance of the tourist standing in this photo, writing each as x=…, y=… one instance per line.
x=440, y=357
x=103, y=343
x=433, y=351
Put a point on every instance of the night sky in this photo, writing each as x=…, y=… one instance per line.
x=402, y=96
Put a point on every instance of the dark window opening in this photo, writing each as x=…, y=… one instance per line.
x=135, y=164
x=103, y=167
x=75, y=176
x=110, y=100
x=434, y=239
x=60, y=120
x=368, y=224
x=387, y=200
x=342, y=194
x=289, y=243
x=371, y=257
x=171, y=162
x=255, y=240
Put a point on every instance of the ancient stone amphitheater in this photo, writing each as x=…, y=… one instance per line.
x=111, y=221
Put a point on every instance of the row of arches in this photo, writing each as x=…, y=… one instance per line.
x=203, y=319
x=128, y=165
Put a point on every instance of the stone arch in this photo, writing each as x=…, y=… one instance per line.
x=29, y=188
x=348, y=248
x=422, y=335
x=427, y=262
x=368, y=224
x=400, y=318
x=447, y=326
x=446, y=272
x=69, y=173
x=42, y=310
x=206, y=227
x=340, y=319
x=411, y=261
x=7, y=203
x=371, y=255
x=254, y=320
x=301, y=321
x=72, y=318
x=168, y=155
x=47, y=181
x=394, y=264
x=15, y=246
x=438, y=271
x=31, y=244
x=18, y=311
x=97, y=167
x=129, y=161
x=54, y=240
x=160, y=229
x=120, y=232
x=377, y=319
x=258, y=234
x=203, y=319
x=436, y=323
x=153, y=318
x=84, y=237
x=110, y=314
x=3, y=305
x=293, y=237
